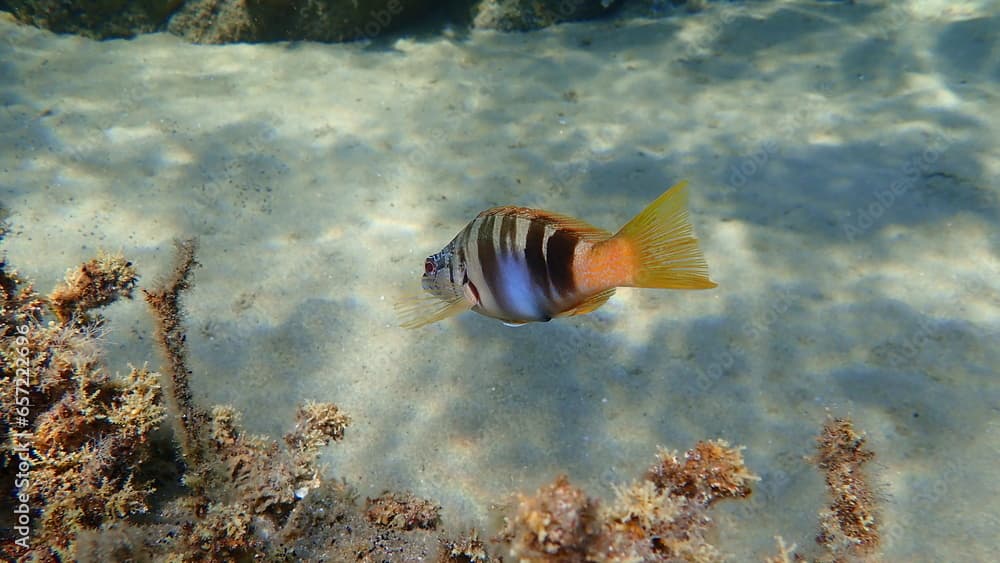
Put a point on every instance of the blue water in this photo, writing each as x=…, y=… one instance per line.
x=844, y=184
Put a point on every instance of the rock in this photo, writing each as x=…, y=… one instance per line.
x=100, y=19
x=253, y=21
x=227, y=21
x=523, y=15
x=221, y=21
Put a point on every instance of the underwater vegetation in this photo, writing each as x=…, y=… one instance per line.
x=663, y=517
x=850, y=525
x=99, y=467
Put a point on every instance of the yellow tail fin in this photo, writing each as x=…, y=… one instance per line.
x=664, y=245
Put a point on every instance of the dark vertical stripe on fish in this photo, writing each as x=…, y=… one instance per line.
x=488, y=260
x=534, y=256
x=508, y=234
x=559, y=258
x=460, y=255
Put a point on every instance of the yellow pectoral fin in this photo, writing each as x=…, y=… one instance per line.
x=419, y=310
x=590, y=305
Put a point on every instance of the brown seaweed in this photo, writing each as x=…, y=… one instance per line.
x=660, y=518
x=91, y=445
x=77, y=435
x=849, y=528
x=164, y=300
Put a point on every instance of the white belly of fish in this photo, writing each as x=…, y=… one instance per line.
x=518, y=299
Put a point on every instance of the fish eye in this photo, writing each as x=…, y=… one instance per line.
x=428, y=266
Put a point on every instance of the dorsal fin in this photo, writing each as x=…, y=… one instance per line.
x=583, y=229
x=591, y=304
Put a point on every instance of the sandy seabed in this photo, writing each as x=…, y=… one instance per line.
x=845, y=179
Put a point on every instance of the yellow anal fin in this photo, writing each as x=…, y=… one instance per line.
x=590, y=305
x=420, y=310
x=664, y=248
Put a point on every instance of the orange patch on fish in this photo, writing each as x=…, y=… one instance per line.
x=604, y=265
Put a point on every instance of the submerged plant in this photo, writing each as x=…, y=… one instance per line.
x=86, y=450
x=76, y=435
x=84, y=455
x=661, y=518
x=850, y=526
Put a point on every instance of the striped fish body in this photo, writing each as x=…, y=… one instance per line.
x=522, y=265
x=517, y=263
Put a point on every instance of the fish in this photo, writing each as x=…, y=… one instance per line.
x=522, y=265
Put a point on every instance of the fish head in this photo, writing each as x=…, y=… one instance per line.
x=445, y=291
x=444, y=275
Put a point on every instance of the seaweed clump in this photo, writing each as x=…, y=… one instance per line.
x=76, y=435
x=96, y=478
x=849, y=528
x=468, y=549
x=89, y=453
x=247, y=496
x=402, y=511
x=95, y=283
x=660, y=518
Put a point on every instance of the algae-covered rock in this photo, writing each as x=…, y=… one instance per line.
x=226, y=21
x=221, y=21
x=253, y=21
x=523, y=15
x=99, y=19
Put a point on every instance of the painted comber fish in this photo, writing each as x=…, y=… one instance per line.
x=523, y=265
